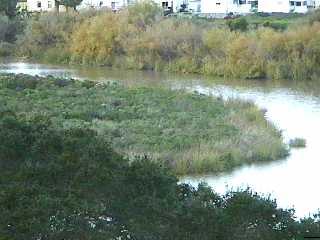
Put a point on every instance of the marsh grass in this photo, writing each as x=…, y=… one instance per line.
x=191, y=133
x=297, y=143
x=277, y=47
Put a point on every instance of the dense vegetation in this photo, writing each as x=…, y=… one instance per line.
x=10, y=27
x=68, y=183
x=81, y=160
x=190, y=133
x=141, y=38
x=8, y=8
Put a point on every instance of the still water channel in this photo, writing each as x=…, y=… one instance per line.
x=294, y=107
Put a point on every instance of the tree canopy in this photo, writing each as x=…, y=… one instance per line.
x=8, y=7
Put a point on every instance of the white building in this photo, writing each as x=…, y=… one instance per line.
x=283, y=6
x=312, y=4
x=115, y=5
x=225, y=7
x=213, y=8
x=40, y=5
x=194, y=6
x=173, y=5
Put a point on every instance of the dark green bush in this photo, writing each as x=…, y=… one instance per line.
x=314, y=16
x=69, y=184
x=238, y=24
x=10, y=28
x=6, y=49
x=297, y=143
x=276, y=25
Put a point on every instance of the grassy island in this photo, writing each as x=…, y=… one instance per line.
x=190, y=133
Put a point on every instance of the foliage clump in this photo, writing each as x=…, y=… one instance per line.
x=238, y=24
x=189, y=133
x=297, y=143
x=68, y=183
x=140, y=37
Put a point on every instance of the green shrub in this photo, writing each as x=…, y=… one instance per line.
x=314, y=17
x=10, y=28
x=96, y=40
x=238, y=24
x=6, y=49
x=245, y=53
x=169, y=45
x=276, y=25
x=4, y=26
x=47, y=31
x=143, y=14
x=297, y=143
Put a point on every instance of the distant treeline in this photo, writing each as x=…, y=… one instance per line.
x=141, y=38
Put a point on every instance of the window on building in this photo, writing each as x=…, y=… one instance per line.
x=165, y=4
x=38, y=4
x=291, y=3
x=242, y=2
x=298, y=4
x=199, y=8
x=218, y=3
x=305, y=3
x=254, y=3
x=49, y=4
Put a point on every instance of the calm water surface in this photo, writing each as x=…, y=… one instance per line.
x=294, y=107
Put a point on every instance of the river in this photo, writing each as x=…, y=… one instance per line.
x=294, y=107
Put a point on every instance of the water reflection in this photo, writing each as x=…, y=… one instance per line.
x=293, y=181
x=294, y=107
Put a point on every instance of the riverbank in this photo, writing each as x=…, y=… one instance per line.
x=140, y=38
x=190, y=133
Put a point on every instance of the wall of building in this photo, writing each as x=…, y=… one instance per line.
x=40, y=5
x=282, y=6
x=194, y=6
x=274, y=6
x=112, y=4
x=217, y=8
x=316, y=3
x=299, y=6
x=237, y=8
x=224, y=7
